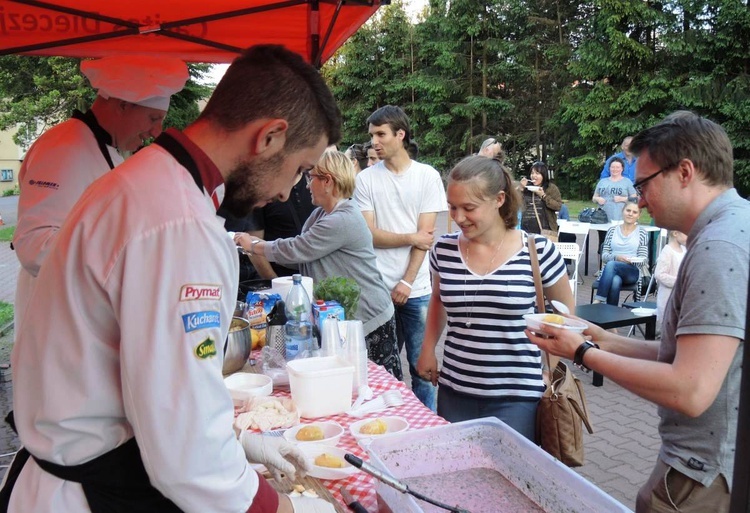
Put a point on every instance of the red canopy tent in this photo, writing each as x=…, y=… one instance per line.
x=195, y=31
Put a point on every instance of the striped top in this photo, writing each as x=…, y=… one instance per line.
x=491, y=356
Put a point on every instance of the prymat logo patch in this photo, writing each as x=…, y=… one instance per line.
x=193, y=292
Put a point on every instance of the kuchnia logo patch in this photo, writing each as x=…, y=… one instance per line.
x=201, y=320
x=206, y=349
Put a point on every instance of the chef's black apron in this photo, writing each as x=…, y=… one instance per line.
x=116, y=481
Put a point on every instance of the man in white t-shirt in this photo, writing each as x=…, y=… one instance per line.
x=400, y=200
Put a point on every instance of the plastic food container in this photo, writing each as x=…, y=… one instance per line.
x=244, y=385
x=321, y=386
x=332, y=432
x=312, y=451
x=475, y=448
x=392, y=424
x=535, y=322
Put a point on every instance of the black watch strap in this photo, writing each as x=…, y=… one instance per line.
x=578, y=358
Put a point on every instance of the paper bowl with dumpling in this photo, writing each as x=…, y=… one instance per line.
x=327, y=462
x=324, y=433
x=374, y=427
x=535, y=322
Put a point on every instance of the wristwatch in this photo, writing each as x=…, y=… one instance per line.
x=578, y=358
x=252, y=246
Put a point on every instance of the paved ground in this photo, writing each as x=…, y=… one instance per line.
x=619, y=455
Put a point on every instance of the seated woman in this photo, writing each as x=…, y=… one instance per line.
x=335, y=241
x=624, y=257
x=540, y=203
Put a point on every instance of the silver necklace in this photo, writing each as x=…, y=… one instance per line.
x=489, y=269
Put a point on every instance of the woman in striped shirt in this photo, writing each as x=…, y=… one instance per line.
x=482, y=286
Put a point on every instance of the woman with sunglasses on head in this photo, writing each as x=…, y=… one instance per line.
x=335, y=241
x=624, y=257
x=482, y=286
x=358, y=155
x=541, y=201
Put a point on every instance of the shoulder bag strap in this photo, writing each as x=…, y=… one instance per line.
x=536, y=214
x=537, y=273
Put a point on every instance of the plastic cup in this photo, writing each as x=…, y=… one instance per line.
x=356, y=351
x=330, y=340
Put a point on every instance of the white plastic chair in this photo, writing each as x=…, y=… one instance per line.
x=571, y=251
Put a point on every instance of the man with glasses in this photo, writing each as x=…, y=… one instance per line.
x=693, y=373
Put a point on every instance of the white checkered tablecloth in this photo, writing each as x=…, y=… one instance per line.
x=362, y=485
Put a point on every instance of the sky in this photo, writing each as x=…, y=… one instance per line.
x=413, y=8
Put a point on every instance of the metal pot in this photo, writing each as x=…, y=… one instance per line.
x=238, y=345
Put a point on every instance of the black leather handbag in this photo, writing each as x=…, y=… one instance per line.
x=599, y=216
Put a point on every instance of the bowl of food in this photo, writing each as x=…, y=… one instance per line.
x=244, y=385
x=379, y=426
x=535, y=322
x=327, y=462
x=238, y=346
x=321, y=433
x=532, y=188
x=643, y=312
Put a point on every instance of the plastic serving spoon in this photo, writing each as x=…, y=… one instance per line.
x=560, y=307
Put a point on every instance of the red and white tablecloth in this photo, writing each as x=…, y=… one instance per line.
x=362, y=485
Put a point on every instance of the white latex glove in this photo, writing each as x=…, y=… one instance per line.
x=275, y=453
x=311, y=505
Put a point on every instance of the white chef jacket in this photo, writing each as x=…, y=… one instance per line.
x=60, y=165
x=126, y=338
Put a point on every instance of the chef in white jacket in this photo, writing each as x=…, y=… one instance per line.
x=118, y=392
x=133, y=95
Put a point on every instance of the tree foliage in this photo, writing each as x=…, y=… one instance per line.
x=555, y=80
x=39, y=92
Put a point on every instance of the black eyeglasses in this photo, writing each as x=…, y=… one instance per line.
x=638, y=186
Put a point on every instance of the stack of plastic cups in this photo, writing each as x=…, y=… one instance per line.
x=330, y=338
x=356, y=353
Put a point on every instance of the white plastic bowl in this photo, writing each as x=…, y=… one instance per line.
x=533, y=188
x=536, y=321
x=312, y=451
x=643, y=312
x=393, y=425
x=332, y=432
x=244, y=385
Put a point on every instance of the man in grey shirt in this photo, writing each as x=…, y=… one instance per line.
x=685, y=180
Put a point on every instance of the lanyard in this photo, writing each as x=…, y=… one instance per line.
x=181, y=155
x=103, y=139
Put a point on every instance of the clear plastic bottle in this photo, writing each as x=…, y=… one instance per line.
x=300, y=342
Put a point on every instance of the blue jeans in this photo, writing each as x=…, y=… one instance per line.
x=518, y=414
x=410, y=324
x=614, y=276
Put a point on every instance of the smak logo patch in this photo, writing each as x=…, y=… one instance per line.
x=193, y=292
x=206, y=349
x=201, y=320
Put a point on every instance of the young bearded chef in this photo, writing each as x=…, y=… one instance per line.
x=133, y=94
x=120, y=389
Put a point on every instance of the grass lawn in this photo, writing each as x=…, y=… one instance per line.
x=6, y=233
x=6, y=313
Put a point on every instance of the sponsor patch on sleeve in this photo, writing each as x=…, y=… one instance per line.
x=201, y=320
x=206, y=349
x=195, y=291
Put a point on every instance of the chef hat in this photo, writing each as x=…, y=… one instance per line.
x=145, y=80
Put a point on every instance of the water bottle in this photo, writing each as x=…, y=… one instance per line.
x=299, y=328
